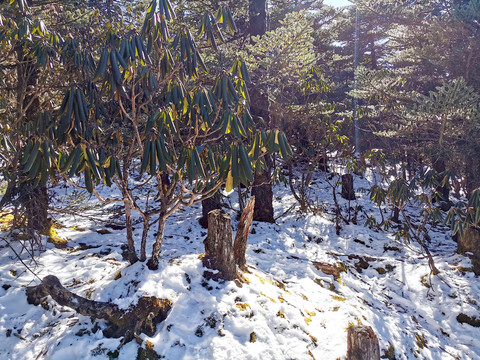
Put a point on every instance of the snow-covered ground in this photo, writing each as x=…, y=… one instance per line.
x=288, y=309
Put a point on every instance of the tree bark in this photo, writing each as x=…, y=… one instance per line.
x=263, y=192
x=143, y=244
x=258, y=18
x=472, y=169
x=469, y=242
x=34, y=198
x=244, y=226
x=132, y=254
x=212, y=203
x=142, y=318
x=219, y=247
x=157, y=246
x=347, y=187
x=362, y=343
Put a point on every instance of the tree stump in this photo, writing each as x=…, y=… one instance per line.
x=347, y=187
x=362, y=343
x=262, y=190
x=469, y=241
x=142, y=318
x=244, y=226
x=212, y=203
x=219, y=247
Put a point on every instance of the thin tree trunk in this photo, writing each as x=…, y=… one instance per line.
x=143, y=246
x=132, y=254
x=157, y=246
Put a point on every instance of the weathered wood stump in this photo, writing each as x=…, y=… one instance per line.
x=469, y=241
x=142, y=318
x=347, y=187
x=241, y=238
x=362, y=343
x=263, y=192
x=219, y=247
x=212, y=203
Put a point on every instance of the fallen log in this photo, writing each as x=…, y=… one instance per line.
x=141, y=318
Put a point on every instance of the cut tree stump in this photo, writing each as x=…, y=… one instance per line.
x=362, y=343
x=244, y=226
x=142, y=318
x=219, y=247
x=347, y=187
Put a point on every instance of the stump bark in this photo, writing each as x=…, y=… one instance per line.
x=347, y=187
x=219, y=247
x=362, y=343
x=241, y=238
x=142, y=318
x=469, y=241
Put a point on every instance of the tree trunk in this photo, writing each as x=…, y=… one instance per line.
x=469, y=242
x=131, y=253
x=260, y=110
x=348, y=192
x=157, y=246
x=472, y=170
x=143, y=245
x=219, y=247
x=212, y=203
x=263, y=192
x=362, y=343
x=244, y=226
x=257, y=13
x=35, y=201
x=142, y=318
x=34, y=198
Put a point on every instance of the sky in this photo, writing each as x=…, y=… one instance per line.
x=337, y=2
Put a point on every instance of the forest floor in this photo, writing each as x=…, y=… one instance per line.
x=288, y=309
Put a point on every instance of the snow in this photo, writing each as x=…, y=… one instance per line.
x=287, y=308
